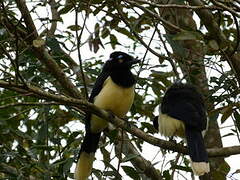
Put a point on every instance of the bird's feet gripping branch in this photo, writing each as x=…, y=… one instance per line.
x=183, y=114
x=113, y=91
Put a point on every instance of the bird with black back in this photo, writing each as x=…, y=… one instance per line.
x=113, y=91
x=183, y=114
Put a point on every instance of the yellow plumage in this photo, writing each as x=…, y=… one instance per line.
x=169, y=126
x=113, y=98
x=85, y=164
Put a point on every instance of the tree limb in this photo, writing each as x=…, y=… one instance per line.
x=139, y=162
x=89, y=107
x=178, y=6
x=44, y=56
x=219, y=4
x=216, y=33
x=166, y=23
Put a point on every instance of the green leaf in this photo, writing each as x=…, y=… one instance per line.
x=129, y=157
x=112, y=135
x=96, y=1
x=226, y=113
x=74, y=27
x=43, y=147
x=106, y=154
x=237, y=120
x=213, y=45
x=228, y=134
x=125, y=32
x=188, y=35
x=96, y=30
x=43, y=132
x=105, y=32
x=21, y=134
x=113, y=41
x=68, y=164
x=166, y=175
x=183, y=168
x=53, y=44
x=114, y=170
x=66, y=9
x=131, y=172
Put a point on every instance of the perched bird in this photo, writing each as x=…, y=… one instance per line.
x=113, y=91
x=183, y=114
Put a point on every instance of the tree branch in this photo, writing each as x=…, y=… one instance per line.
x=89, y=107
x=30, y=104
x=139, y=162
x=78, y=37
x=178, y=6
x=124, y=19
x=168, y=24
x=55, y=18
x=43, y=55
x=219, y=4
x=216, y=33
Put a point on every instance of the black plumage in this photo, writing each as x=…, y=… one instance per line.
x=113, y=91
x=183, y=113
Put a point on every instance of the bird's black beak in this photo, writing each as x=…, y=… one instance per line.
x=134, y=61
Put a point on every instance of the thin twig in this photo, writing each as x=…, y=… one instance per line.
x=153, y=14
x=89, y=107
x=238, y=35
x=78, y=36
x=147, y=49
x=175, y=164
x=178, y=6
x=29, y=104
x=219, y=4
x=169, y=55
x=121, y=150
x=15, y=66
x=136, y=34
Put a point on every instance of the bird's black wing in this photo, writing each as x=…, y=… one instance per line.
x=184, y=110
x=91, y=140
x=186, y=104
x=99, y=83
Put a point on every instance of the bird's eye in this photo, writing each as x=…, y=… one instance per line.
x=120, y=60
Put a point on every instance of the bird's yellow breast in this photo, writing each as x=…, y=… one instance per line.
x=113, y=98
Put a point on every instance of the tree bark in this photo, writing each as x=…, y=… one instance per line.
x=191, y=63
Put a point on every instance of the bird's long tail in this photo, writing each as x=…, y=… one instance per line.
x=197, y=151
x=86, y=156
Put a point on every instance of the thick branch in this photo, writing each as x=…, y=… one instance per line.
x=55, y=17
x=43, y=55
x=210, y=23
x=216, y=33
x=178, y=6
x=29, y=104
x=89, y=107
x=32, y=31
x=225, y=7
x=139, y=162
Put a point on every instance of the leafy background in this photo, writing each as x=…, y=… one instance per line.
x=40, y=138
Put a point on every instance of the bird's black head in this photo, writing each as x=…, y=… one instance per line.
x=118, y=67
x=121, y=60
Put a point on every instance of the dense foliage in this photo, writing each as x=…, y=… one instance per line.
x=59, y=47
